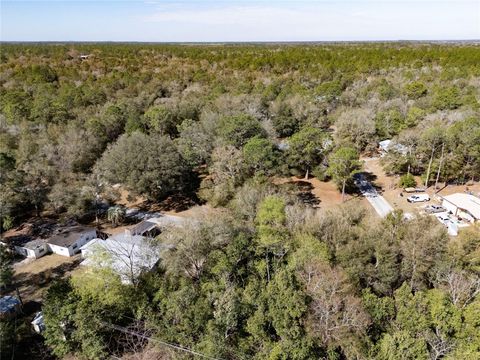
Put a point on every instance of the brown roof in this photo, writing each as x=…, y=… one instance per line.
x=68, y=236
x=143, y=227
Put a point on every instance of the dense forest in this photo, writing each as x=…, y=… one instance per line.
x=265, y=276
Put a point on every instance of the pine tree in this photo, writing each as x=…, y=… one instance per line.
x=6, y=270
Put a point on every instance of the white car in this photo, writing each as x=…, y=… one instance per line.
x=443, y=218
x=418, y=198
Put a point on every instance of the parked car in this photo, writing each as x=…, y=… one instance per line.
x=443, y=218
x=433, y=209
x=418, y=198
x=413, y=190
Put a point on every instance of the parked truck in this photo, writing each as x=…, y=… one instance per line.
x=418, y=198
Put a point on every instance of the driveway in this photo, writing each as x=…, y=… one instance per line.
x=381, y=206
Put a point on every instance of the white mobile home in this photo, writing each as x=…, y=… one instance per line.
x=68, y=241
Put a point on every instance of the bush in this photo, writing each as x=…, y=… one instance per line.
x=415, y=90
x=407, y=180
x=447, y=99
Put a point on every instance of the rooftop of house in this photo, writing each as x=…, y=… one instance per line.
x=35, y=244
x=128, y=254
x=68, y=236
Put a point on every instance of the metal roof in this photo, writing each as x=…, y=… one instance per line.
x=143, y=227
x=466, y=202
x=8, y=304
x=69, y=236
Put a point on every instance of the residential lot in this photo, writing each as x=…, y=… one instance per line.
x=34, y=276
x=397, y=197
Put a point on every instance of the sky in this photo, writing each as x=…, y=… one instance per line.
x=234, y=21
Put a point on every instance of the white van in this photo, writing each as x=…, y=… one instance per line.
x=418, y=198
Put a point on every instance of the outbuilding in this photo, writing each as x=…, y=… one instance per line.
x=388, y=145
x=465, y=206
x=26, y=246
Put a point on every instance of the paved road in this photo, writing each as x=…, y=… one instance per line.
x=381, y=206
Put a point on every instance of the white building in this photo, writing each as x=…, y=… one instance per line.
x=68, y=241
x=32, y=249
x=128, y=255
x=465, y=206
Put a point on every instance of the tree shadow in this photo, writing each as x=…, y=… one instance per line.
x=303, y=191
x=371, y=178
x=175, y=202
x=31, y=283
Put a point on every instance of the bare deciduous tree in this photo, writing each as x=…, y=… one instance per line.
x=335, y=312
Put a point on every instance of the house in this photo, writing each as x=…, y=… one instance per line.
x=127, y=254
x=68, y=241
x=22, y=241
x=33, y=248
x=465, y=206
x=9, y=306
x=26, y=246
x=388, y=145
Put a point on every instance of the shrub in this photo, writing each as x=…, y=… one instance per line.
x=447, y=99
x=407, y=180
x=415, y=90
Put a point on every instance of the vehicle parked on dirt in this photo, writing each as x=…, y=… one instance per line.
x=413, y=190
x=443, y=218
x=434, y=209
x=418, y=198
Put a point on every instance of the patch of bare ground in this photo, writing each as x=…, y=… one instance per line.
x=325, y=193
x=175, y=203
x=33, y=277
x=393, y=192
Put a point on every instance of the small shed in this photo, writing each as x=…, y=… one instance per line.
x=145, y=228
x=33, y=249
x=9, y=306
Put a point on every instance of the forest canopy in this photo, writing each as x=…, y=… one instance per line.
x=265, y=275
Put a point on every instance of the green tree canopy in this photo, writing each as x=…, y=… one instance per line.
x=238, y=129
x=307, y=149
x=148, y=165
x=342, y=165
